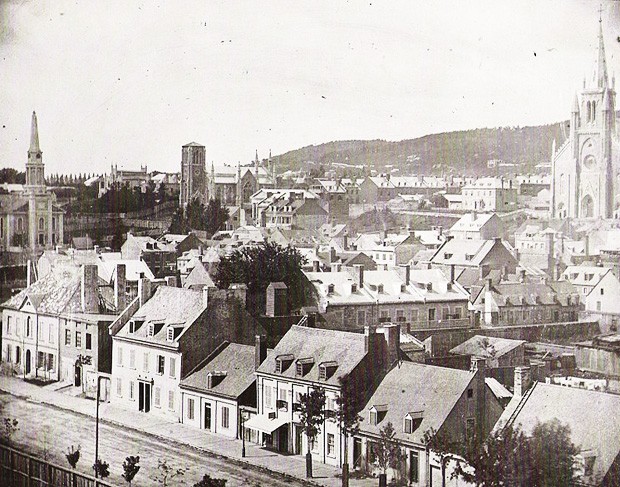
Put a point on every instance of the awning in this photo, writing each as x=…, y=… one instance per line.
x=264, y=423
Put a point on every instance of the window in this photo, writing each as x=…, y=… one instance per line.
x=8, y=325
x=268, y=397
x=28, y=327
x=470, y=393
x=598, y=306
x=40, y=359
x=408, y=425
x=50, y=361
x=602, y=291
x=132, y=359
x=431, y=314
x=51, y=333
x=119, y=387
x=157, y=397
x=173, y=366
x=384, y=315
x=225, y=417
x=41, y=224
x=131, y=390
x=330, y=445
x=18, y=355
x=373, y=418
x=68, y=338
x=170, y=334
x=119, y=356
x=361, y=318
x=414, y=466
x=190, y=408
x=78, y=339
x=145, y=362
x=414, y=315
x=89, y=341
x=8, y=353
x=161, y=360
x=171, y=400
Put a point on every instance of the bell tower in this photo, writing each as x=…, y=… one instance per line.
x=35, y=170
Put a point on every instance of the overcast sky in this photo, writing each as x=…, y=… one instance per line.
x=129, y=83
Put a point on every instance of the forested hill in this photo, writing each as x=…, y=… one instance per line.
x=463, y=152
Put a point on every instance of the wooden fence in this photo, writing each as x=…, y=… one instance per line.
x=19, y=469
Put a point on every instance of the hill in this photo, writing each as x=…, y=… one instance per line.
x=462, y=152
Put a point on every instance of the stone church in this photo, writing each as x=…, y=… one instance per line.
x=586, y=168
x=29, y=216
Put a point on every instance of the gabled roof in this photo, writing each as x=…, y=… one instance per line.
x=584, y=275
x=133, y=269
x=472, y=222
x=432, y=390
x=486, y=347
x=468, y=253
x=198, y=278
x=236, y=360
x=591, y=415
x=344, y=348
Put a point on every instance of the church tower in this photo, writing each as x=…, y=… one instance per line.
x=193, y=174
x=586, y=166
x=35, y=170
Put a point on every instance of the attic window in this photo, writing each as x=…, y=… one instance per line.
x=380, y=288
x=403, y=288
x=446, y=255
x=327, y=369
x=303, y=366
x=469, y=256
x=150, y=330
x=135, y=324
x=214, y=378
x=377, y=413
x=353, y=288
x=170, y=334
x=413, y=421
x=283, y=362
x=330, y=289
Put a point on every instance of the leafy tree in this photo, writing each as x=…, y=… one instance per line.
x=12, y=176
x=387, y=452
x=259, y=265
x=130, y=468
x=553, y=453
x=179, y=224
x=311, y=409
x=349, y=404
x=73, y=455
x=166, y=473
x=208, y=481
x=215, y=216
x=10, y=426
x=444, y=447
x=101, y=468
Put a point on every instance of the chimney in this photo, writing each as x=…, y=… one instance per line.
x=550, y=255
x=336, y=267
x=407, y=270
x=452, y=273
x=440, y=230
x=587, y=245
x=276, y=304
x=120, y=294
x=332, y=254
x=479, y=368
x=207, y=294
x=411, y=232
x=260, y=350
x=171, y=281
x=144, y=290
x=345, y=242
x=240, y=291
x=474, y=215
x=28, y=273
x=90, y=294
x=522, y=381
x=315, y=266
x=392, y=339
x=369, y=339
x=488, y=284
x=359, y=275
x=521, y=275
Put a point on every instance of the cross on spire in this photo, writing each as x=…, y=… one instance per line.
x=600, y=13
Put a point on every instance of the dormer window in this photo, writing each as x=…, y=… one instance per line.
x=353, y=288
x=380, y=288
x=170, y=334
x=214, y=378
x=303, y=366
x=283, y=362
x=327, y=369
x=447, y=256
x=150, y=330
x=403, y=288
x=413, y=421
x=330, y=289
x=377, y=413
x=135, y=324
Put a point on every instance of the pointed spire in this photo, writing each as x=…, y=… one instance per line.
x=34, y=135
x=576, y=104
x=601, y=64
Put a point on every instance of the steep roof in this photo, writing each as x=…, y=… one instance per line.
x=486, y=347
x=591, y=415
x=344, y=348
x=199, y=276
x=413, y=387
x=472, y=222
x=236, y=360
x=469, y=253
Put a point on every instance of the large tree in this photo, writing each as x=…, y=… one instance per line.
x=197, y=216
x=349, y=405
x=312, y=416
x=259, y=265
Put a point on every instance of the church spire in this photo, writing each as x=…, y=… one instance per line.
x=601, y=64
x=34, y=135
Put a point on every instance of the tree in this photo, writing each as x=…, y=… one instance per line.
x=208, y=481
x=387, y=452
x=349, y=403
x=9, y=428
x=553, y=453
x=444, y=447
x=130, y=468
x=259, y=265
x=215, y=216
x=101, y=468
x=166, y=473
x=311, y=411
x=12, y=176
x=73, y=456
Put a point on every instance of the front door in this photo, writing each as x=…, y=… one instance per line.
x=298, y=440
x=357, y=453
x=77, y=379
x=27, y=361
x=283, y=439
x=144, y=396
x=208, y=416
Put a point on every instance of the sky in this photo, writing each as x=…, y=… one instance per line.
x=128, y=83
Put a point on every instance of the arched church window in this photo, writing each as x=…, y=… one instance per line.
x=1, y=227
x=20, y=224
x=41, y=224
x=589, y=111
x=53, y=223
x=593, y=111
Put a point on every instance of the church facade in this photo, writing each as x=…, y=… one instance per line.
x=29, y=216
x=586, y=168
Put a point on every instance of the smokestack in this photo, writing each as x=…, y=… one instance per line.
x=522, y=381
x=260, y=350
x=345, y=242
x=332, y=254
x=407, y=271
x=359, y=275
x=120, y=294
x=89, y=288
x=479, y=367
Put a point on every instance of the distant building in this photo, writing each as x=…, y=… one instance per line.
x=193, y=174
x=586, y=167
x=29, y=216
x=496, y=352
x=478, y=226
x=490, y=194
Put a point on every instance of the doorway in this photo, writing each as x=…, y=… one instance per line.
x=28, y=359
x=298, y=440
x=144, y=396
x=283, y=439
x=77, y=376
x=357, y=453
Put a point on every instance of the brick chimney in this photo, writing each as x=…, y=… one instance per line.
x=315, y=266
x=332, y=254
x=392, y=339
x=144, y=290
x=452, y=273
x=522, y=381
x=276, y=304
x=478, y=365
x=89, y=288
x=336, y=267
x=120, y=284
x=359, y=275
x=260, y=350
x=171, y=281
x=407, y=271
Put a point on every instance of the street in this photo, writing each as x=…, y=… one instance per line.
x=48, y=432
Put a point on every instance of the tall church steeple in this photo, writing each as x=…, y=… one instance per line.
x=600, y=72
x=35, y=175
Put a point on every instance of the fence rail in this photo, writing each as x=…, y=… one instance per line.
x=18, y=469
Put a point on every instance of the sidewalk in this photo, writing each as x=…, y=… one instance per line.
x=167, y=430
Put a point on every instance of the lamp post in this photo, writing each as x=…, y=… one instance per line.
x=97, y=424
